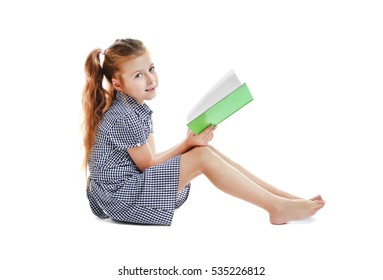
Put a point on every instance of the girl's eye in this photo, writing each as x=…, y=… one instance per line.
x=152, y=69
x=139, y=75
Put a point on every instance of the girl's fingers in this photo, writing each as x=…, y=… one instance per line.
x=206, y=132
x=209, y=133
x=203, y=138
x=209, y=130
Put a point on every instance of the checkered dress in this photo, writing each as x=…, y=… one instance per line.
x=117, y=188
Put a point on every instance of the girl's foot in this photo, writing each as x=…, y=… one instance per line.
x=296, y=209
x=318, y=197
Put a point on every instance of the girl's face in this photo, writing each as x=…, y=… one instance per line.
x=137, y=78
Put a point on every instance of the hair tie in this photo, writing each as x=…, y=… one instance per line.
x=102, y=57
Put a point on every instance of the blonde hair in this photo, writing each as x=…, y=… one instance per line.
x=96, y=100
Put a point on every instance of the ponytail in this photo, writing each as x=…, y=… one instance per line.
x=95, y=99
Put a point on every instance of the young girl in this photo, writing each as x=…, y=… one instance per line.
x=128, y=180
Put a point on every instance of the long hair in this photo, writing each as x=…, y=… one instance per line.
x=96, y=99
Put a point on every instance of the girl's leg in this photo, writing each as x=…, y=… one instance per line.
x=254, y=178
x=203, y=160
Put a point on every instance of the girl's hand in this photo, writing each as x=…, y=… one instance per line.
x=202, y=139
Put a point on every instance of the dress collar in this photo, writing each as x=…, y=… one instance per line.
x=127, y=100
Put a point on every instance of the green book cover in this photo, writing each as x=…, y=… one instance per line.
x=225, y=98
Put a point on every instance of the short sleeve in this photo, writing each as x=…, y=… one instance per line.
x=128, y=132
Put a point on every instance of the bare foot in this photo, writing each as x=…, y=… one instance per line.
x=318, y=197
x=296, y=209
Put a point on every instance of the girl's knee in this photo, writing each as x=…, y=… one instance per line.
x=193, y=163
x=201, y=152
x=202, y=155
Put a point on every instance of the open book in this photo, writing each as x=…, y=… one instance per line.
x=225, y=98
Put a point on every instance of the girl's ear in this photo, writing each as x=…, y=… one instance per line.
x=116, y=84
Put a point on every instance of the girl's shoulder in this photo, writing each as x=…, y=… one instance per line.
x=115, y=113
x=118, y=110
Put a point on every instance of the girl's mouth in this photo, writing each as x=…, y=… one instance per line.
x=151, y=89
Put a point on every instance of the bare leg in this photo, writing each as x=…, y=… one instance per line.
x=203, y=160
x=254, y=178
x=257, y=180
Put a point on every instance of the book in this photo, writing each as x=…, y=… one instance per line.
x=225, y=98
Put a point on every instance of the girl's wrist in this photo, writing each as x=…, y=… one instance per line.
x=186, y=145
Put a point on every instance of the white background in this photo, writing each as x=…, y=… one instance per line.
x=315, y=126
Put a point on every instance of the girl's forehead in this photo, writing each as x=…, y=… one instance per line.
x=135, y=63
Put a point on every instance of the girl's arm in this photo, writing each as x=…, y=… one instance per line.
x=145, y=156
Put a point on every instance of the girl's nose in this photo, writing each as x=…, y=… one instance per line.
x=151, y=78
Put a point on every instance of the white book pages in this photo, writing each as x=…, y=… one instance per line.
x=221, y=89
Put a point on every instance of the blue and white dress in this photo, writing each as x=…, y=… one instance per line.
x=117, y=188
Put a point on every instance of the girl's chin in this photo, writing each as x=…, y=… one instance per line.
x=151, y=95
